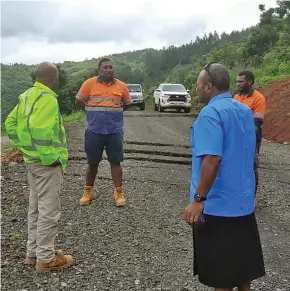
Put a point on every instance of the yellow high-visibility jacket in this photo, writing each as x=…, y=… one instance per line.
x=36, y=128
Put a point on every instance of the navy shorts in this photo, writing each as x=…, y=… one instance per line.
x=96, y=143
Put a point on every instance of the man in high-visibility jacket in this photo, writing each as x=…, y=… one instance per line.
x=35, y=127
x=257, y=103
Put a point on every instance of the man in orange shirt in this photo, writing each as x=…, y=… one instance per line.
x=257, y=103
x=104, y=99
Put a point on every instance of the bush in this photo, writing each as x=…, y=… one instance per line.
x=74, y=116
x=284, y=68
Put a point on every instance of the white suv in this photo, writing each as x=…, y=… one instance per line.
x=171, y=96
x=136, y=94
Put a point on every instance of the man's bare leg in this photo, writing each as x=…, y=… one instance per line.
x=87, y=197
x=92, y=171
x=117, y=174
x=245, y=287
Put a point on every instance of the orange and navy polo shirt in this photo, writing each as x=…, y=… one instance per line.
x=104, y=104
x=257, y=103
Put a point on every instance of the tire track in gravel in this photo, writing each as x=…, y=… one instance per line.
x=144, y=157
x=157, y=144
x=153, y=152
x=172, y=156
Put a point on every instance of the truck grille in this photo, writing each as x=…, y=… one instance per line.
x=177, y=98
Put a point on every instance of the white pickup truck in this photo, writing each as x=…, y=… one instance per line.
x=171, y=96
x=136, y=94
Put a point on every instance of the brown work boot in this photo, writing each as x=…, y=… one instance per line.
x=87, y=196
x=59, y=262
x=33, y=260
x=30, y=260
x=119, y=196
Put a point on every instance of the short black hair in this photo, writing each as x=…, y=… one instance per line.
x=249, y=75
x=103, y=60
x=219, y=76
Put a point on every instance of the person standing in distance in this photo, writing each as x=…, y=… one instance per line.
x=257, y=103
x=104, y=99
x=36, y=128
x=227, y=247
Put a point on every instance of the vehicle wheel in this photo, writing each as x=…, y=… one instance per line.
x=160, y=109
x=142, y=106
x=178, y=110
x=187, y=110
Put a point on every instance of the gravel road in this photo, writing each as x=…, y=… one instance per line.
x=146, y=245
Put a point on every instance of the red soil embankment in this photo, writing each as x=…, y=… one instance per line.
x=12, y=157
x=277, y=120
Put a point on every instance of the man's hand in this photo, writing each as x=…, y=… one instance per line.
x=127, y=107
x=80, y=104
x=192, y=212
x=55, y=164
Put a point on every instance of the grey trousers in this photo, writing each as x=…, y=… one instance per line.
x=44, y=210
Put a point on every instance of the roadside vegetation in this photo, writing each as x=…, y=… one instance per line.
x=264, y=49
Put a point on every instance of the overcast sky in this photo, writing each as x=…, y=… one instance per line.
x=60, y=30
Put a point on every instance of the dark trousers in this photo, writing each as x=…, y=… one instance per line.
x=256, y=164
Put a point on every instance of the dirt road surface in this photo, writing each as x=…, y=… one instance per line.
x=146, y=245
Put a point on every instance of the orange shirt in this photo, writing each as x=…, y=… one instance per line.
x=94, y=93
x=255, y=101
x=104, y=104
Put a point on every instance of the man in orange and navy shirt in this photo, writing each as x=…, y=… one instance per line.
x=257, y=103
x=104, y=99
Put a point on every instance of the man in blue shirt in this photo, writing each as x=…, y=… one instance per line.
x=227, y=248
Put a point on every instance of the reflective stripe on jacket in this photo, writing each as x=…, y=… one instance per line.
x=36, y=128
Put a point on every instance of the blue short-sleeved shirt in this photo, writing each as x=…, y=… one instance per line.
x=226, y=128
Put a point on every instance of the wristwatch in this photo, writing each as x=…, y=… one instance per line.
x=199, y=198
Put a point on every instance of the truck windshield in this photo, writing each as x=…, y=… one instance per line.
x=173, y=88
x=134, y=88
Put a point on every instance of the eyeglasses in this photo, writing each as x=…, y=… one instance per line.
x=206, y=68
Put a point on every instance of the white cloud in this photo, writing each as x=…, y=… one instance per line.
x=33, y=31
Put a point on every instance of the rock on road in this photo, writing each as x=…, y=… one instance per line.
x=145, y=245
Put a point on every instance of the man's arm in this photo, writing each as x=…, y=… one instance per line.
x=209, y=170
x=11, y=126
x=126, y=99
x=208, y=143
x=126, y=107
x=260, y=107
x=208, y=138
x=83, y=95
x=79, y=103
x=44, y=127
x=259, y=114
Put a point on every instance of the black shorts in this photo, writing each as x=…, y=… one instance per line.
x=227, y=251
x=96, y=143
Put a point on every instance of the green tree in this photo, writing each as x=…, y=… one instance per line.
x=189, y=81
x=264, y=49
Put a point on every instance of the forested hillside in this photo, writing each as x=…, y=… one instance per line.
x=264, y=48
